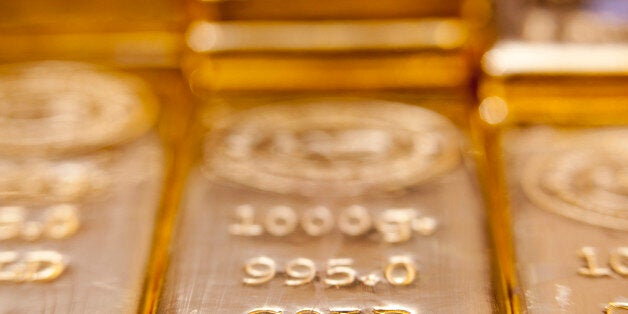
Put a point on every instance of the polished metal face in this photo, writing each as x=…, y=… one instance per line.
x=363, y=237
x=568, y=200
x=75, y=228
x=585, y=178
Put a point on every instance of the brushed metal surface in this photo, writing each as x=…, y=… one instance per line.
x=547, y=243
x=206, y=269
x=107, y=256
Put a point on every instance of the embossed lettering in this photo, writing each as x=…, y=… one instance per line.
x=591, y=269
x=355, y=221
x=281, y=221
x=406, y=264
x=261, y=269
x=617, y=260
x=614, y=307
x=34, y=267
x=245, y=225
x=317, y=221
x=60, y=222
x=340, y=268
x=389, y=311
x=265, y=311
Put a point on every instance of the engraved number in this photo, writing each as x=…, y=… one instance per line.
x=340, y=267
x=355, y=221
x=394, y=224
x=261, y=269
x=303, y=276
x=617, y=261
x=60, y=222
x=245, y=225
x=345, y=311
x=317, y=221
x=331, y=311
x=400, y=271
x=309, y=311
x=620, y=254
x=33, y=267
x=591, y=269
x=265, y=311
x=389, y=311
x=281, y=221
x=613, y=307
x=395, y=263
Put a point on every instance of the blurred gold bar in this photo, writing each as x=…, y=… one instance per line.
x=328, y=55
x=117, y=33
x=562, y=83
x=83, y=172
x=553, y=121
x=262, y=45
x=325, y=9
x=321, y=202
x=322, y=168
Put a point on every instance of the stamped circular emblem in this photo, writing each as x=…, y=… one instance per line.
x=54, y=107
x=586, y=179
x=333, y=146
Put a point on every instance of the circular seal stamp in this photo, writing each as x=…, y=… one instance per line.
x=584, y=179
x=328, y=147
x=56, y=107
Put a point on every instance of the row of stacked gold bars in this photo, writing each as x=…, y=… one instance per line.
x=314, y=156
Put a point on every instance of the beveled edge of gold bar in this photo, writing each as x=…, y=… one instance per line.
x=178, y=131
x=328, y=35
x=517, y=58
x=573, y=84
x=485, y=139
x=160, y=49
x=557, y=84
x=300, y=72
x=322, y=9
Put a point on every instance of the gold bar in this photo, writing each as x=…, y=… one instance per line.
x=328, y=55
x=115, y=33
x=261, y=45
x=325, y=9
x=83, y=174
x=324, y=163
x=317, y=203
x=552, y=120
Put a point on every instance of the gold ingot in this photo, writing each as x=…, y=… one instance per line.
x=325, y=9
x=327, y=55
x=553, y=122
x=333, y=45
x=83, y=172
x=262, y=164
x=119, y=33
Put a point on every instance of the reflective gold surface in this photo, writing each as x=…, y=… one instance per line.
x=328, y=55
x=564, y=200
x=304, y=49
x=120, y=33
x=83, y=174
x=326, y=9
x=312, y=244
x=549, y=237
x=327, y=168
x=551, y=121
